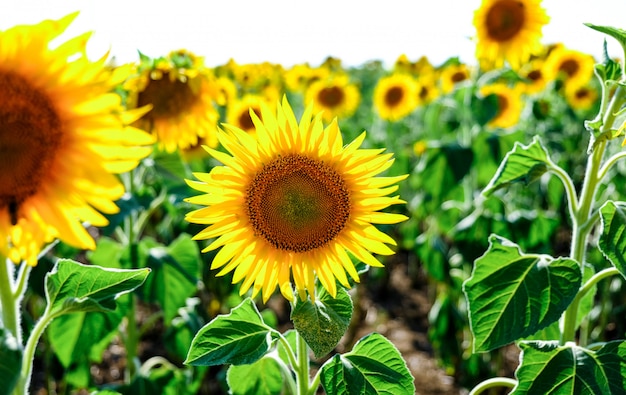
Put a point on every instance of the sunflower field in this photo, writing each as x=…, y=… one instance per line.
x=174, y=227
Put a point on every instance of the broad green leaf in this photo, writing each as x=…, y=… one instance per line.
x=10, y=361
x=323, y=323
x=548, y=368
x=262, y=377
x=175, y=273
x=374, y=366
x=73, y=286
x=240, y=337
x=82, y=337
x=512, y=295
x=612, y=241
x=525, y=163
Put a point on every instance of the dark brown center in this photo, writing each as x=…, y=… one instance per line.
x=168, y=98
x=394, y=96
x=505, y=19
x=331, y=96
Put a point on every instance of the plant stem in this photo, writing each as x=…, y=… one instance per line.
x=29, y=352
x=8, y=301
x=302, y=370
x=492, y=383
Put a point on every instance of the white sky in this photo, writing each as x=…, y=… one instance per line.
x=295, y=31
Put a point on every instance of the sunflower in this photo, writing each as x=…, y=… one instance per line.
x=395, y=96
x=238, y=112
x=452, y=75
x=335, y=97
x=292, y=202
x=534, y=75
x=182, y=93
x=508, y=30
x=573, y=67
x=581, y=97
x=63, y=135
x=427, y=89
x=509, y=104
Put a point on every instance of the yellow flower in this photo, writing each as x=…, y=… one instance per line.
x=509, y=104
x=335, y=97
x=63, y=134
x=292, y=202
x=452, y=75
x=581, y=97
x=508, y=30
x=574, y=67
x=427, y=90
x=395, y=96
x=182, y=93
x=535, y=76
x=238, y=112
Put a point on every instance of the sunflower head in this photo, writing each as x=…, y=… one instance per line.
x=570, y=66
x=509, y=104
x=291, y=204
x=396, y=96
x=63, y=136
x=508, y=31
x=334, y=97
x=182, y=93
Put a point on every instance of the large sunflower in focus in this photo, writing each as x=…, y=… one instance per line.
x=396, y=96
x=62, y=135
x=182, y=93
x=508, y=30
x=292, y=203
x=335, y=97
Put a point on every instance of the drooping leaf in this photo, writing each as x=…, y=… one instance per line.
x=550, y=369
x=618, y=34
x=525, y=163
x=323, y=323
x=512, y=295
x=239, y=337
x=612, y=241
x=10, y=361
x=374, y=366
x=262, y=377
x=72, y=286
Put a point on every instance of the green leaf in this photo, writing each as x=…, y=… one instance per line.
x=525, y=163
x=82, y=337
x=374, y=366
x=262, y=377
x=237, y=338
x=73, y=286
x=548, y=368
x=175, y=273
x=323, y=323
x=612, y=241
x=512, y=295
x=10, y=361
x=618, y=34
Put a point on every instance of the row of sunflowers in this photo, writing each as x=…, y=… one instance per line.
x=197, y=198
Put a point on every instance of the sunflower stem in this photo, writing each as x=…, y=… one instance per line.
x=302, y=370
x=29, y=351
x=9, y=301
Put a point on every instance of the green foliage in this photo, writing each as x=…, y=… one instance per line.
x=612, y=241
x=10, y=361
x=240, y=337
x=374, y=366
x=549, y=368
x=324, y=322
x=262, y=377
x=513, y=295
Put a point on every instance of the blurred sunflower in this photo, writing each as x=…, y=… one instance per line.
x=452, y=75
x=573, y=67
x=427, y=90
x=508, y=30
x=335, y=97
x=238, y=111
x=534, y=75
x=395, y=96
x=581, y=97
x=182, y=93
x=294, y=202
x=63, y=135
x=509, y=104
